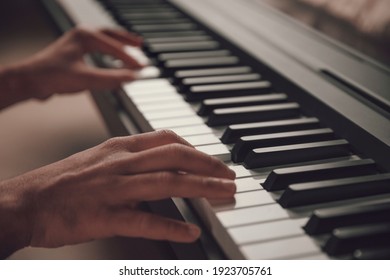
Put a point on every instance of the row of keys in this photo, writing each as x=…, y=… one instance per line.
x=219, y=104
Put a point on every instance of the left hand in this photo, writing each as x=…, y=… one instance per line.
x=60, y=68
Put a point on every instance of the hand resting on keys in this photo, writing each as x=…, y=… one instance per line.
x=96, y=193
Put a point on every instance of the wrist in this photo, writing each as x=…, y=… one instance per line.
x=16, y=84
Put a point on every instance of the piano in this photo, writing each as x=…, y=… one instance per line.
x=302, y=119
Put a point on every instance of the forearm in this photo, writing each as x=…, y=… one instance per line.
x=14, y=220
x=16, y=84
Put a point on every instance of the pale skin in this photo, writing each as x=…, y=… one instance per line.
x=94, y=194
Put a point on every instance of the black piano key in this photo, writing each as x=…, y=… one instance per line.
x=182, y=74
x=149, y=35
x=137, y=10
x=296, y=153
x=150, y=15
x=208, y=105
x=136, y=3
x=279, y=179
x=125, y=4
x=183, y=46
x=147, y=27
x=157, y=21
x=226, y=116
x=333, y=190
x=197, y=93
x=247, y=143
x=144, y=8
x=372, y=253
x=326, y=220
x=347, y=239
x=164, y=27
x=190, y=63
x=234, y=132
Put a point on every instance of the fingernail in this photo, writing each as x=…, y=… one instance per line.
x=229, y=186
x=194, y=231
x=232, y=173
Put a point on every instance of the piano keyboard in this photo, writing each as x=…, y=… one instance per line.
x=303, y=192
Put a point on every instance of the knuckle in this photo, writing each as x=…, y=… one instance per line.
x=176, y=150
x=170, y=229
x=169, y=135
x=166, y=178
x=142, y=222
x=115, y=143
x=207, y=183
x=134, y=143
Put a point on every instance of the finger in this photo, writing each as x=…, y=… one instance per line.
x=141, y=224
x=145, y=141
x=161, y=185
x=97, y=78
x=124, y=36
x=97, y=41
x=176, y=157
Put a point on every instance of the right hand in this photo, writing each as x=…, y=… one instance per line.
x=94, y=194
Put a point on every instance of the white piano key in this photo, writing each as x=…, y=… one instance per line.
x=252, y=215
x=248, y=184
x=218, y=131
x=159, y=115
x=192, y=130
x=204, y=139
x=112, y=62
x=164, y=106
x=241, y=200
x=156, y=100
x=281, y=249
x=157, y=91
x=137, y=54
x=144, y=84
x=152, y=96
x=217, y=150
x=266, y=231
x=176, y=122
x=242, y=172
x=149, y=72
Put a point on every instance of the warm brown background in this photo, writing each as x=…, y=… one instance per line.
x=36, y=133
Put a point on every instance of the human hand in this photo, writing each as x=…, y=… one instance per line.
x=60, y=68
x=94, y=194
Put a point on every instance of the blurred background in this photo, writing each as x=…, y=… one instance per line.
x=35, y=133
x=363, y=25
